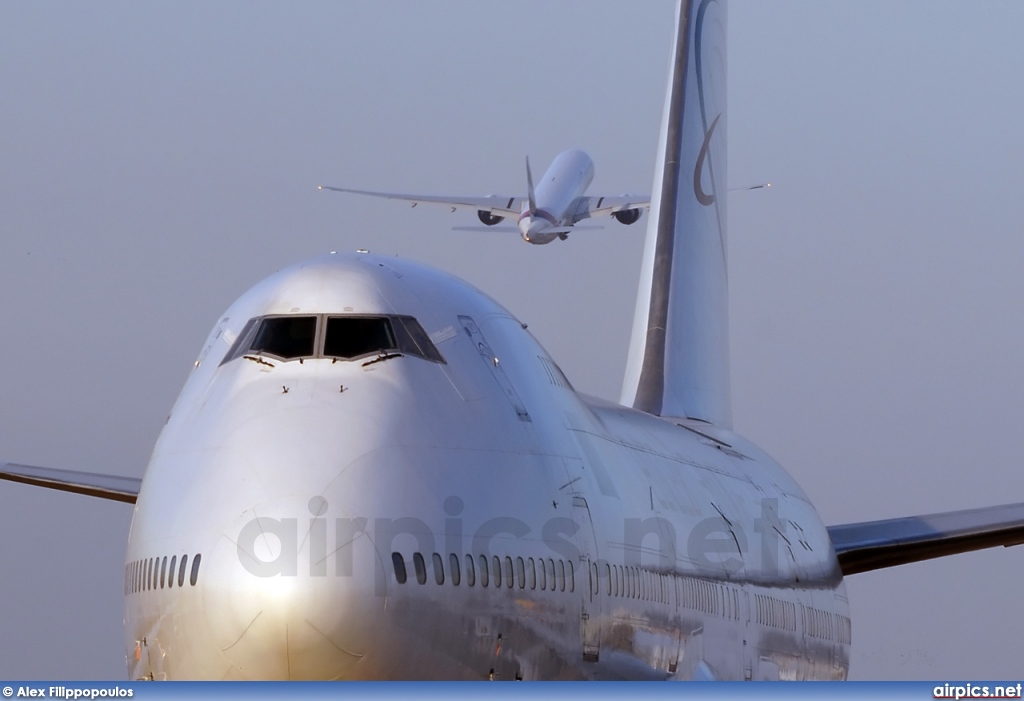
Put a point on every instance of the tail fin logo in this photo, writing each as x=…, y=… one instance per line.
x=698, y=189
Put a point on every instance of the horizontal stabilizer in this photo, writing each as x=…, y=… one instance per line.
x=500, y=229
x=112, y=487
x=873, y=545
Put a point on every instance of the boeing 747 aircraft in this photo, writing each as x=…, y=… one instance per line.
x=549, y=212
x=375, y=471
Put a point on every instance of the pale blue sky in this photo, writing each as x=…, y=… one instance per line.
x=157, y=159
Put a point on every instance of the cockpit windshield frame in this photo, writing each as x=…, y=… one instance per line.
x=351, y=337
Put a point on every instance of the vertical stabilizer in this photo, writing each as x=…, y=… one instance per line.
x=530, y=194
x=679, y=351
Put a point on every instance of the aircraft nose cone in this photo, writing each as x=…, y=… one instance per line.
x=295, y=591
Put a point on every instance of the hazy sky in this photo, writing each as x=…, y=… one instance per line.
x=158, y=159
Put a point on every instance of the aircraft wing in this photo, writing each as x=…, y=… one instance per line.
x=591, y=207
x=872, y=545
x=501, y=205
x=112, y=487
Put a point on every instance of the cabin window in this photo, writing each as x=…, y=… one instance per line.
x=531, y=573
x=508, y=572
x=421, y=568
x=483, y=570
x=453, y=561
x=521, y=572
x=286, y=337
x=542, y=574
x=181, y=571
x=572, y=576
x=398, y=562
x=438, y=568
x=497, y=571
x=470, y=573
x=163, y=571
x=194, y=576
x=170, y=572
x=561, y=575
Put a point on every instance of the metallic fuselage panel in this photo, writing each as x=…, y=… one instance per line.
x=638, y=547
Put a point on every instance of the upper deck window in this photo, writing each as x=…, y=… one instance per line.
x=286, y=336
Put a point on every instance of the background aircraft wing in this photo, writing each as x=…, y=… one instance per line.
x=112, y=487
x=501, y=205
x=606, y=206
x=872, y=545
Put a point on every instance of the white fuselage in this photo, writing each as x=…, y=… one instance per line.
x=558, y=196
x=628, y=546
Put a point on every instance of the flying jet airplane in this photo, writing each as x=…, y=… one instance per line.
x=375, y=471
x=549, y=212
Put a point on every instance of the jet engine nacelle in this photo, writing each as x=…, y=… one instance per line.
x=627, y=216
x=488, y=218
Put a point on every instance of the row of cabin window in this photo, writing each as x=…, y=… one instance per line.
x=643, y=584
x=826, y=625
x=549, y=575
x=629, y=582
x=154, y=573
x=711, y=597
x=775, y=613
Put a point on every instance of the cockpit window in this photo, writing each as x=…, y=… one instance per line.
x=286, y=336
x=333, y=336
x=353, y=336
x=412, y=339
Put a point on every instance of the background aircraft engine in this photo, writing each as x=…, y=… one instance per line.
x=488, y=218
x=627, y=216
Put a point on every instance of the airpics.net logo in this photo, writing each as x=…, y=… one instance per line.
x=977, y=691
x=302, y=545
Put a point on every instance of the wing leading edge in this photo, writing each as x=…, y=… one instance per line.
x=873, y=545
x=113, y=487
x=510, y=206
x=496, y=204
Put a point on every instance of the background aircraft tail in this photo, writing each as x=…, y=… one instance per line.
x=679, y=351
